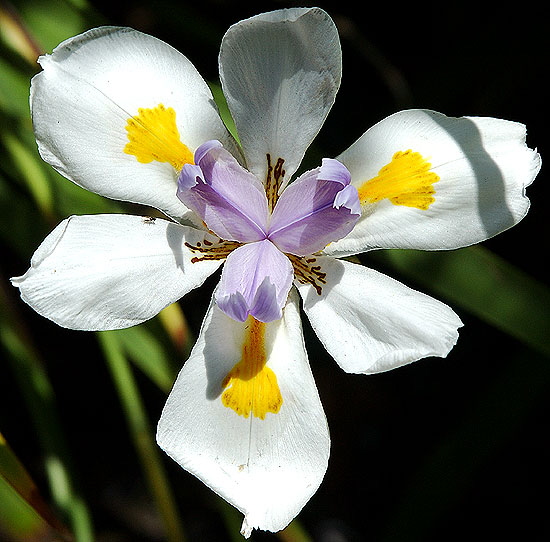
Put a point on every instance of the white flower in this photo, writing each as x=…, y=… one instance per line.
x=125, y=115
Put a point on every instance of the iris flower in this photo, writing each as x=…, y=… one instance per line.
x=124, y=115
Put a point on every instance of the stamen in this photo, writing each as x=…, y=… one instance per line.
x=306, y=272
x=212, y=251
x=273, y=181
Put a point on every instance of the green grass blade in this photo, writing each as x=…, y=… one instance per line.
x=24, y=511
x=142, y=433
x=39, y=397
x=42, y=17
x=14, y=91
x=148, y=354
x=19, y=521
x=225, y=114
x=32, y=172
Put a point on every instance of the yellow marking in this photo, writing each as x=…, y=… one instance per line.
x=153, y=135
x=251, y=386
x=406, y=180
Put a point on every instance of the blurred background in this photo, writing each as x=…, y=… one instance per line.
x=448, y=449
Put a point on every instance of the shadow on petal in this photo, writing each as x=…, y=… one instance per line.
x=221, y=338
x=490, y=181
x=174, y=236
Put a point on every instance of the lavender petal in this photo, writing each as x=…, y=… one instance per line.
x=318, y=208
x=256, y=279
x=229, y=199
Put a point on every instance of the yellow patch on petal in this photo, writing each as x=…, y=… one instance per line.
x=153, y=135
x=251, y=387
x=406, y=180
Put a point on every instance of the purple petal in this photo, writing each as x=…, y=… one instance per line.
x=318, y=208
x=189, y=177
x=228, y=198
x=205, y=148
x=332, y=170
x=348, y=198
x=256, y=279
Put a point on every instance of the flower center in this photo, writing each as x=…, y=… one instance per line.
x=267, y=233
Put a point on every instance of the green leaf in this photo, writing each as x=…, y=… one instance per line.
x=39, y=397
x=43, y=20
x=225, y=114
x=31, y=171
x=14, y=90
x=19, y=521
x=149, y=354
x=141, y=433
x=25, y=514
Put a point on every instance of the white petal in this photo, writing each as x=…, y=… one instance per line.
x=484, y=167
x=112, y=271
x=370, y=322
x=267, y=468
x=280, y=72
x=91, y=85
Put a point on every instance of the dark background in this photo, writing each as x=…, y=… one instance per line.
x=452, y=449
